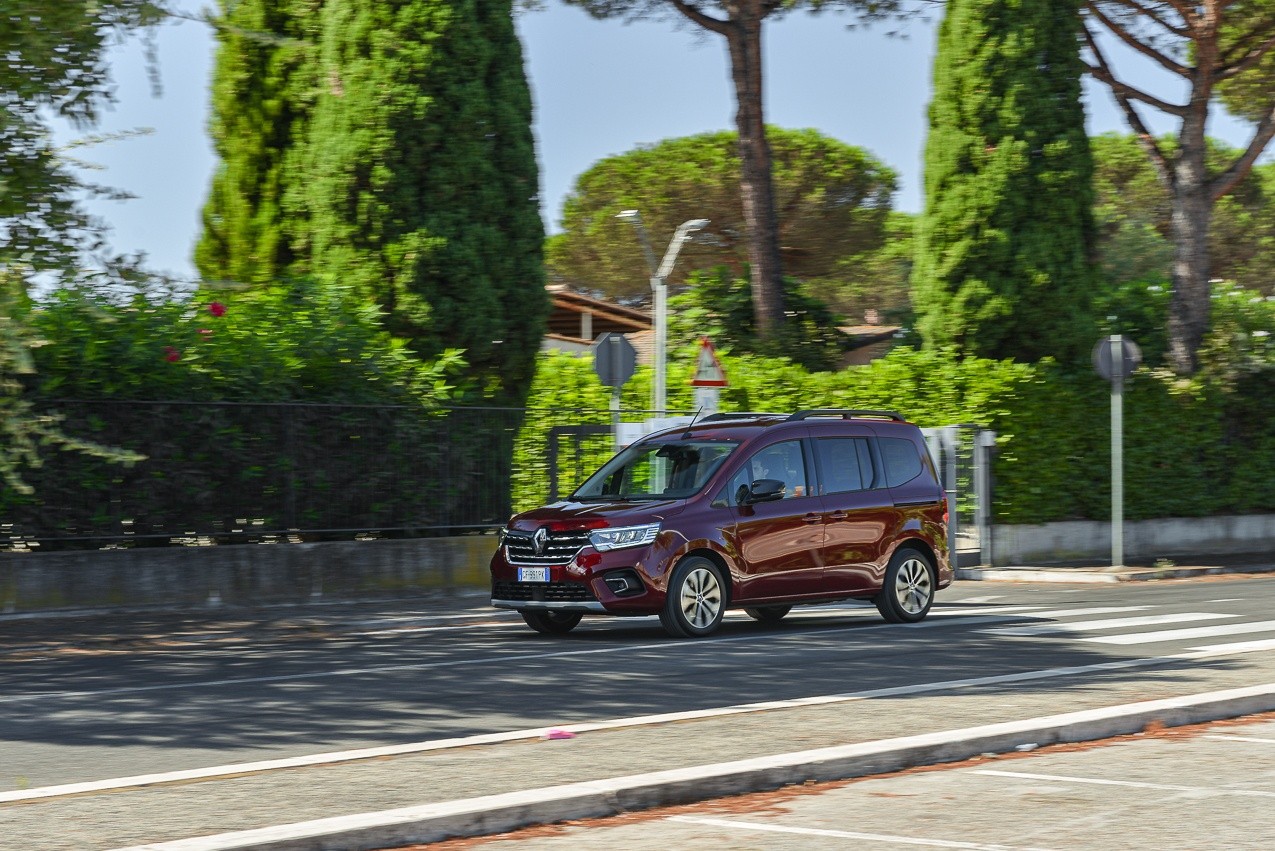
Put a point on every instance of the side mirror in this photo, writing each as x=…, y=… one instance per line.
x=764, y=490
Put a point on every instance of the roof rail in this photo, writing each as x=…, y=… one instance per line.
x=736, y=415
x=847, y=413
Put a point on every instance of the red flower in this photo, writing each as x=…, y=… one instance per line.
x=205, y=332
x=171, y=355
x=217, y=309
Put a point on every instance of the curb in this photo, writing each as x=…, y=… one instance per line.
x=494, y=814
x=1103, y=574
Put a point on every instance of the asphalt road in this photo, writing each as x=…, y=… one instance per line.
x=163, y=693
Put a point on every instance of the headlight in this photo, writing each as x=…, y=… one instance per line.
x=623, y=536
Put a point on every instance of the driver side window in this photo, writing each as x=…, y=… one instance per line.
x=782, y=461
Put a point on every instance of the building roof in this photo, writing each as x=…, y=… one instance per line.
x=567, y=318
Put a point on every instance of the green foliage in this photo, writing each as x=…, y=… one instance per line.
x=51, y=62
x=832, y=201
x=876, y=279
x=1248, y=94
x=264, y=84
x=302, y=342
x=1003, y=249
x=1193, y=447
x=720, y=305
x=26, y=433
x=423, y=179
x=1134, y=217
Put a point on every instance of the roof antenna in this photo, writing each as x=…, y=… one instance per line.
x=687, y=434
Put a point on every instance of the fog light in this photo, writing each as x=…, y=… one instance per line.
x=624, y=583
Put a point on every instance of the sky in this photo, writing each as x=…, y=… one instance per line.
x=599, y=87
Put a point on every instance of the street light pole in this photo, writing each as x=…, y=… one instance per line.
x=659, y=294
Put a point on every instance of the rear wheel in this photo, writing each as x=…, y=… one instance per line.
x=551, y=623
x=909, y=586
x=696, y=599
x=768, y=615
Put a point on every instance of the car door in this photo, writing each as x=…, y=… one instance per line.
x=859, y=511
x=778, y=544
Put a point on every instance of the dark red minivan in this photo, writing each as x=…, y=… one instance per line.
x=752, y=511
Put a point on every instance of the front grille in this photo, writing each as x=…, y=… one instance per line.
x=567, y=592
x=560, y=548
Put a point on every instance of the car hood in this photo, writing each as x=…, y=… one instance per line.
x=567, y=515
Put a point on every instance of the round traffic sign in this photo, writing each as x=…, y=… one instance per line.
x=1116, y=355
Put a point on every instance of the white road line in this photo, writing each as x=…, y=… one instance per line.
x=1109, y=623
x=1094, y=781
x=1236, y=647
x=944, y=612
x=732, y=824
x=1179, y=634
x=984, y=599
x=1226, y=600
x=1252, y=739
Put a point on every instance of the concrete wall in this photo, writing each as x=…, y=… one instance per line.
x=1143, y=539
x=248, y=574
x=259, y=574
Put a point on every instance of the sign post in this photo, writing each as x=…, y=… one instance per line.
x=614, y=360
x=1115, y=358
x=709, y=377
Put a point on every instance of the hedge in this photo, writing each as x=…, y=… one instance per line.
x=1193, y=447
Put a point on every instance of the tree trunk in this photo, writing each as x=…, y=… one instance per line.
x=1192, y=212
x=1191, y=304
x=743, y=38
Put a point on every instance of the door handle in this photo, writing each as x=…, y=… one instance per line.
x=838, y=515
x=812, y=518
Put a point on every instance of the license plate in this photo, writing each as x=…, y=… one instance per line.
x=533, y=574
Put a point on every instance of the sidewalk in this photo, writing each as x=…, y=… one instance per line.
x=1138, y=570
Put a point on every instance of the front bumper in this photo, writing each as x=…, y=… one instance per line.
x=580, y=585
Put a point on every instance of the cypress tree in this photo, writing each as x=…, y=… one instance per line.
x=263, y=88
x=424, y=183
x=1004, y=249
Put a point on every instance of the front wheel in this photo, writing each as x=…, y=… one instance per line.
x=551, y=623
x=696, y=599
x=908, y=591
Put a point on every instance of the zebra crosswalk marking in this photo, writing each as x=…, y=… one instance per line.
x=1110, y=623
x=1234, y=647
x=1179, y=634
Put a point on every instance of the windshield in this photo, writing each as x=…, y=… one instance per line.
x=656, y=471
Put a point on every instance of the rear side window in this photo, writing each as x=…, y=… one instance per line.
x=901, y=458
x=845, y=464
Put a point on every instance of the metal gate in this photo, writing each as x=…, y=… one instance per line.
x=963, y=456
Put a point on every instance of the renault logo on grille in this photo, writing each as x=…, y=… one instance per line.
x=539, y=540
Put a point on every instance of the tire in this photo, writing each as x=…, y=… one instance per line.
x=695, y=600
x=551, y=623
x=768, y=615
x=908, y=591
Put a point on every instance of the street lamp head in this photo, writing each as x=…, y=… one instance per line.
x=628, y=214
x=695, y=224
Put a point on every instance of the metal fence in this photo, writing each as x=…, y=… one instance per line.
x=257, y=472
x=223, y=472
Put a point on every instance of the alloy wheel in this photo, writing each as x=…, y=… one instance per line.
x=912, y=586
x=701, y=597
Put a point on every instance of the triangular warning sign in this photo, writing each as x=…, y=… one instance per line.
x=708, y=369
